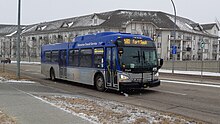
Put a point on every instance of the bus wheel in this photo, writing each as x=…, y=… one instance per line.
x=52, y=75
x=99, y=83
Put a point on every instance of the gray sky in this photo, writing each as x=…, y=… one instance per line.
x=35, y=11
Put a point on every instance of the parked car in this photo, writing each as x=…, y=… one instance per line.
x=7, y=60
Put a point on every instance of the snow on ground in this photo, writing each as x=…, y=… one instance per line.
x=109, y=112
x=190, y=72
x=25, y=62
x=4, y=80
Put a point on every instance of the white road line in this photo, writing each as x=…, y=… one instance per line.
x=188, y=83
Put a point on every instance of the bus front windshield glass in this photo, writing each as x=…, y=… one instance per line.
x=138, y=58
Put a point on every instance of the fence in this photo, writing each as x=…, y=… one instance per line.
x=208, y=66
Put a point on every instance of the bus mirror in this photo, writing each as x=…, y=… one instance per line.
x=161, y=63
x=120, y=51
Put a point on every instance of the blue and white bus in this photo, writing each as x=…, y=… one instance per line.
x=107, y=60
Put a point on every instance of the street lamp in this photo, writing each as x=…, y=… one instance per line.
x=174, y=44
x=18, y=39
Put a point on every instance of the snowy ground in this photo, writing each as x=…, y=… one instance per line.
x=190, y=72
x=101, y=111
x=25, y=62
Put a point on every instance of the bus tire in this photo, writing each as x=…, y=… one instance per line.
x=52, y=75
x=99, y=83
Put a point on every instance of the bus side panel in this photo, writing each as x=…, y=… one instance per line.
x=45, y=69
x=82, y=75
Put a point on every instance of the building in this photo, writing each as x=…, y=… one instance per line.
x=159, y=25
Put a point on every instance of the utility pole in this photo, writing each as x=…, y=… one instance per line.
x=202, y=45
x=18, y=39
x=174, y=48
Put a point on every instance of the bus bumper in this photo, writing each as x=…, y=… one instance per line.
x=138, y=85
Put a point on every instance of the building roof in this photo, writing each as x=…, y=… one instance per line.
x=113, y=19
x=7, y=29
x=209, y=26
x=119, y=18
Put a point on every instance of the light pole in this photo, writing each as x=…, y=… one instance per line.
x=18, y=39
x=174, y=44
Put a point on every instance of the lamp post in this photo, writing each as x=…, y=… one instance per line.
x=174, y=44
x=18, y=39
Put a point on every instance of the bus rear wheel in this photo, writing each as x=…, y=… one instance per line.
x=99, y=83
x=52, y=75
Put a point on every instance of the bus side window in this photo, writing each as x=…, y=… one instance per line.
x=85, y=58
x=98, y=57
x=48, y=56
x=75, y=58
x=54, y=58
x=71, y=52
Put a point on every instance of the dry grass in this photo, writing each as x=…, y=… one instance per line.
x=5, y=119
x=116, y=113
x=11, y=75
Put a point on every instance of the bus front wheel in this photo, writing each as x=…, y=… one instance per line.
x=52, y=75
x=99, y=83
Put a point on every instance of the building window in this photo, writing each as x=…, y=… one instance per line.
x=158, y=45
x=95, y=21
x=133, y=26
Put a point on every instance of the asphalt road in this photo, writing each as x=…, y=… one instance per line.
x=201, y=102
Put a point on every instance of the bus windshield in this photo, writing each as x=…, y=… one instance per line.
x=141, y=59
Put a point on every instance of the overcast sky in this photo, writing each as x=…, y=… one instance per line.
x=36, y=11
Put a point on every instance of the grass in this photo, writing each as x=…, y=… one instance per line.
x=5, y=119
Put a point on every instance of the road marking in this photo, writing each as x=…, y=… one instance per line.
x=188, y=83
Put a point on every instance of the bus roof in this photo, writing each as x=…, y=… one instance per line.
x=95, y=40
x=108, y=36
x=104, y=38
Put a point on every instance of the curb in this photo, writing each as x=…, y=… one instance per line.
x=191, y=81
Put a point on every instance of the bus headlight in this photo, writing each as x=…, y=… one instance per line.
x=156, y=75
x=124, y=77
x=155, y=69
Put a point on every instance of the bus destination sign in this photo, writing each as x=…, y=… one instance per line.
x=135, y=42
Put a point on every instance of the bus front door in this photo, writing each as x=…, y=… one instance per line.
x=111, y=69
x=62, y=64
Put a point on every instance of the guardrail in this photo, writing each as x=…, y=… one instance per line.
x=208, y=66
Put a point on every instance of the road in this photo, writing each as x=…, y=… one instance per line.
x=201, y=102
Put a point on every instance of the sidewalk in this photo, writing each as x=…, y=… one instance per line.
x=26, y=109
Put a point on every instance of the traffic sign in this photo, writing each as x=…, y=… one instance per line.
x=174, y=49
